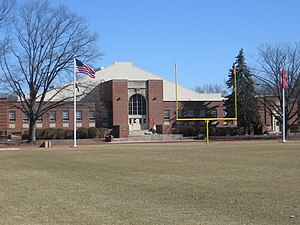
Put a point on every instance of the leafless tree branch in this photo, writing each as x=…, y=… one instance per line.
x=268, y=74
x=42, y=42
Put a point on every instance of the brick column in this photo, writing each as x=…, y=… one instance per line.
x=120, y=107
x=155, y=102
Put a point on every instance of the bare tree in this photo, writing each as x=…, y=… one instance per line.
x=6, y=15
x=211, y=88
x=39, y=50
x=271, y=59
x=6, y=18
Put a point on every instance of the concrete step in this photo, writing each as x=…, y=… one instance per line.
x=138, y=132
x=158, y=137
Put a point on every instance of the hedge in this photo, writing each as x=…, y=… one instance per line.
x=58, y=133
x=189, y=131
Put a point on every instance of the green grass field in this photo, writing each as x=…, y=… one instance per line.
x=254, y=182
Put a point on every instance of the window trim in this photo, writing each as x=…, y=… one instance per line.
x=137, y=105
x=25, y=117
x=67, y=118
x=12, y=119
x=92, y=118
x=166, y=115
x=78, y=116
x=51, y=113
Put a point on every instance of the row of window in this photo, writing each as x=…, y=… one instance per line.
x=190, y=114
x=65, y=115
x=52, y=116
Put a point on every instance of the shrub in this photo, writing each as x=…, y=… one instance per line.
x=202, y=130
x=222, y=131
x=186, y=131
x=189, y=131
x=93, y=132
x=25, y=135
x=212, y=131
x=59, y=134
x=47, y=133
x=258, y=129
x=103, y=132
x=233, y=131
x=39, y=134
x=68, y=134
x=52, y=133
x=82, y=133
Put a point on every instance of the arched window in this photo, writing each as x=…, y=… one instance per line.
x=137, y=105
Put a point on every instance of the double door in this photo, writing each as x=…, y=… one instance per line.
x=137, y=122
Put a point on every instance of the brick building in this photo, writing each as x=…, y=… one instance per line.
x=270, y=115
x=128, y=100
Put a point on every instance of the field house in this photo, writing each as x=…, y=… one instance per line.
x=128, y=100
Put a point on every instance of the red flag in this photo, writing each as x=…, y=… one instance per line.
x=283, y=78
x=234, y=71
x=83, y=68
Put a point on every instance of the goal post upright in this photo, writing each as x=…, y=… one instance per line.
x=235, y=92
x=176, y=90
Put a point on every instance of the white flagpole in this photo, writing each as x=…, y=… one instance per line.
x=283, y=116
x=74, y=90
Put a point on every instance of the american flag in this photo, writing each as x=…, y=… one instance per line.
x=85, y=69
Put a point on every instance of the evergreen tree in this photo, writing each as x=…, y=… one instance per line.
x=248, y=116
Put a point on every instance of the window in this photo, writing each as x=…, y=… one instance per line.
x=104, y=118
x=179, y=123
x=65, y=115
x=12, y=116
x=78, y=116
x=25, y=117
x=213, y=113
x=40, y=119
x=167, y=115
x=137, y=105
x=91, y=116
x=190, y=113
x=202, y=113
x=52, y=116
x=179, y=113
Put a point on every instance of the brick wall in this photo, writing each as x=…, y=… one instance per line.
x=3, y=114
x=120, y=106
x=265, y=111
x=155, y=102
x=85, y=107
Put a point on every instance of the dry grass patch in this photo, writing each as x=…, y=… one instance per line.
x=182, y=183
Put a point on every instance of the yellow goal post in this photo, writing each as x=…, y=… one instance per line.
x=203, y=118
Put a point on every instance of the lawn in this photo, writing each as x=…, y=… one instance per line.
x=247, y=182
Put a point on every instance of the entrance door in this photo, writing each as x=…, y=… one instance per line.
x=275, y=124
x=137, y=123
x=137, y=115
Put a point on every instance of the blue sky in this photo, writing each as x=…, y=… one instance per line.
x=202, y=37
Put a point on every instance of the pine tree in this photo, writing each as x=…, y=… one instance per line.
x=248, y=115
